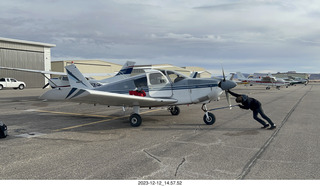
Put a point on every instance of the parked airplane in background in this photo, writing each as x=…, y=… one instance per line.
x=268, y=80
x=62, y=80
x=299, y=80
x=153, y=88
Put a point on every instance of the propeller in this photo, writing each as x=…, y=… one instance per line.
x=226, y=85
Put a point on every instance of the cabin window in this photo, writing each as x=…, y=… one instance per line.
x=141, y=82
x=64, y=78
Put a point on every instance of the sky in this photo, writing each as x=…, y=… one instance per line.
x=240, y=35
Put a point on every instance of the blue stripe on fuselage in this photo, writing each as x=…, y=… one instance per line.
x=173, y=88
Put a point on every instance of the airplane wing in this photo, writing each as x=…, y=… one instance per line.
x=107, y=98
x=55, y=73
x=34, y=71
x=104, y=98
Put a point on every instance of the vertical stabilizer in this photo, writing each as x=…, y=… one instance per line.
x=241, y=76
x=76, y=79
x=124, y=73
x=126, y=68
x=193, y=74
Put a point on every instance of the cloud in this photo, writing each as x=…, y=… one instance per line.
x=248, y=34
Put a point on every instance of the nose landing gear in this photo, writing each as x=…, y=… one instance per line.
x=208, y=117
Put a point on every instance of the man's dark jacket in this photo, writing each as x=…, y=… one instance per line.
x=247, y=102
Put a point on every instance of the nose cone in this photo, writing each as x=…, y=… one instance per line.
x=227, y=84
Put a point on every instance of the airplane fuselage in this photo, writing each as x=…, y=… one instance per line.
x=185, y=91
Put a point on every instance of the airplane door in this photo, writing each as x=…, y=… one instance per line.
x=158, y=84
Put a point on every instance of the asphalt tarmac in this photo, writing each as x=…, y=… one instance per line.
x=60, y=140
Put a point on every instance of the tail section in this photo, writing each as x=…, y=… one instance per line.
x=124, y=73
x=126, y=68
x=241, y=76
x=194, y=74
x=230, y=76
x=76, y=79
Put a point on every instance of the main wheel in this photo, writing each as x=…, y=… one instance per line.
x=175, y=111
x=210, y=119
x=135, y=120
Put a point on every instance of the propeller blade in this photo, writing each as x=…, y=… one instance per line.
x=224, y=76
x=228, y=99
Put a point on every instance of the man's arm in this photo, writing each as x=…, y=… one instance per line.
x=234, y=94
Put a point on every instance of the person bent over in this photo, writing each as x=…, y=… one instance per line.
x=254, y=105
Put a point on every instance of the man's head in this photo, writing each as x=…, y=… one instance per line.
x=239, y=99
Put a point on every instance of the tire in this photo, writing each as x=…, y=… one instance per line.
x=1, y=87
x=135, y=120
x=21, y=87
x=210, y=120
x=175, y=111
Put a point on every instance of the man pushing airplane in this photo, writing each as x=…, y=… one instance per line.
x=255, y=106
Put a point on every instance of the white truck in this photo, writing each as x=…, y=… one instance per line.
x=11, y=83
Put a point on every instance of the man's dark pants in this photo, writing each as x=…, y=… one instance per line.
x=260, y=111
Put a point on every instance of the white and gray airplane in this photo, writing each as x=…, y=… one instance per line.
x=268, y=81
x=154, y=88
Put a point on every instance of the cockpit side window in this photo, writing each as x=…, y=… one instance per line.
x=157, y=78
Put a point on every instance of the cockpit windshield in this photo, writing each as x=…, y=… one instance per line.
x=174, y=76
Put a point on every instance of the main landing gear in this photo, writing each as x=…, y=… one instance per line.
x=208, y=117
x=175, y=110
x=135, y=118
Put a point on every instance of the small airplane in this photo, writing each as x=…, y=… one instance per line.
x=298, y=80
x=268, y=80
x=62, y=80
x=154, y=88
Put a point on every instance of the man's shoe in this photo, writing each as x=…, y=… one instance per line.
x=265, y=126
x=272, y=127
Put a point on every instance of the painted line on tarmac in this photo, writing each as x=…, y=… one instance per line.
x=101, y=121
x=67, y=113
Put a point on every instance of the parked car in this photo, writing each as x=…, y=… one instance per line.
x=11, y=83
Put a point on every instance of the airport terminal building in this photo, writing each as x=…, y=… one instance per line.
x=25, y=54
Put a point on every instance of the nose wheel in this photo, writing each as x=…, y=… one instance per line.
x=208, y=117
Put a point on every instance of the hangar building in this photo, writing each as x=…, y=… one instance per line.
x=25, y=54
x=96, y=69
